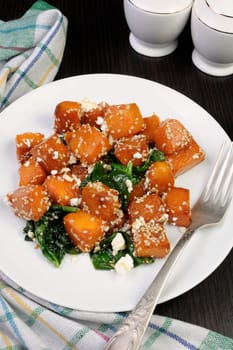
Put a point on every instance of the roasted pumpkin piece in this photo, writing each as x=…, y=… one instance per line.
x=138, y=191
x=31, y=173
x=29, y=202
x=177, y=201
x=62, y=190
x=24, y=143
x=84, y=229
x=123, y=120
x=150, y=124
x=51, y=153
x=94, y=116
x=186, y=158
x=150, y=239
x=149, y=207
x=79, y=172
x=171, y=136
x=88, y=144
x=159, y=177
x=132, y=149
x=67, y=116
x=103, y=201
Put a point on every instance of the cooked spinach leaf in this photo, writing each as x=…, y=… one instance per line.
x=154, y=156
x=117, y=177
x=49, y=233
x=103, y=258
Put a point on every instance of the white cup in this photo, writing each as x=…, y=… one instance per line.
x=156, y=24
x=212, y=35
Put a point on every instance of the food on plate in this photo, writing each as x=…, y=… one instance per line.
x=103, y=182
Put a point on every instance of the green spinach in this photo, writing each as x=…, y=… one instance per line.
x=49, y=233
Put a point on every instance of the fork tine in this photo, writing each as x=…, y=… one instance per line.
x=227, y=189
x=215, y=172
x=224, y=171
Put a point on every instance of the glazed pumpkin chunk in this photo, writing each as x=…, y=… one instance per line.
x=51, y=153
x=79, y=172
x=171, y=136
x=149, y=207
x=178, y=206
x=62, y=190
x=186, y=158
x=93, y=116
x=31, y=173
x=88, y=144
x=67, y=116
x=132, y=149
x=29, y=202
x=123, y=120
x=149, y=239
x=25, y=142
x=103, y=201
x=159, y=177
x=150, y=124
x=84, y=229
x=138, y=191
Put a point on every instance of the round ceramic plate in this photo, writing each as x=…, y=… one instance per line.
x=76, y=283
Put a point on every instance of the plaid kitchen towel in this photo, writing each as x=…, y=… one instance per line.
x=27, y=322
x=31, y=50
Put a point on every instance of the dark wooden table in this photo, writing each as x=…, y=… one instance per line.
x=97, y=42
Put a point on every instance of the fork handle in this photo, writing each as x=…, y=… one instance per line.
x=129, y=335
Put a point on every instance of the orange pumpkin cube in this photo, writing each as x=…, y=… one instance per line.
x=150, y=239
x=67, y=116
x=132, y=149
x=171, y=136
x=178, y=206
x=123, y=120
x=25, y=142
x=159, y=177
x=62, y=190
x=94, y=117
x=31, y=173
x=150, y=124
x=88, y=144
x=79, y=172
x=51, y=153
x=186, y=158
x=29, y=202
x=103, y=201
x=84, y=229
x=138, y=191
x=149, y=207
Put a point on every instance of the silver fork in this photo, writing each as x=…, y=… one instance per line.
x=209, y=209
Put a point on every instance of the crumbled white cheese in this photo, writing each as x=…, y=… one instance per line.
x=118, y=243
x=67, y=178
x=104, y=126
x=27, y=142
x=55, y=155
x=137, y=155
x=99, y=120
x=54, y=172
x=74, y=202
x=124, y=264
x=88, y=105
x=129, y=185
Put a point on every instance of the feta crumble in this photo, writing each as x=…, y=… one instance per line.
x=124, y=264
x=118, y=243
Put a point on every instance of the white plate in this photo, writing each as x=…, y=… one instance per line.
x=76, y=284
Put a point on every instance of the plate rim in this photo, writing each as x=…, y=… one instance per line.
x=159, y=85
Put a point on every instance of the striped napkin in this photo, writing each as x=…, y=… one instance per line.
x=31, y=50
x=27, y=322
